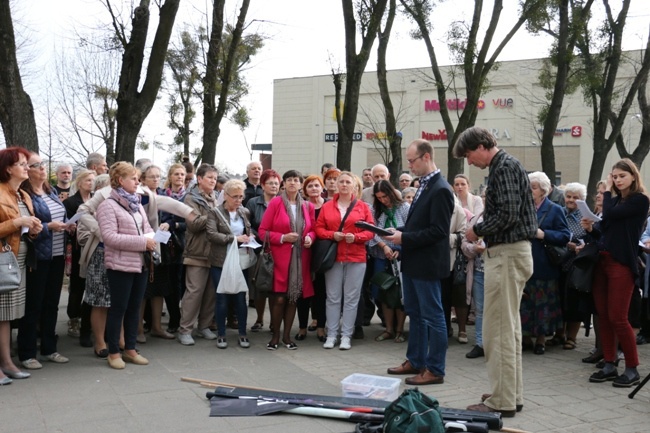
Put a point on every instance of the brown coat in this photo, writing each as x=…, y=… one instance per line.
x=9, y=211
x=219, y=234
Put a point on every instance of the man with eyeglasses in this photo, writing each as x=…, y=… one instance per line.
x=509, y=222
x=425, y=262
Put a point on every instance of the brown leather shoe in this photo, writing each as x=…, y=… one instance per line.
x=404, y=368
x=425, y=378
x=486, y=409
x=518, y=407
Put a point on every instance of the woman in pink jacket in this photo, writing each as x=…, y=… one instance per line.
x=343, y=282
x=289, y=222
x=123, y=224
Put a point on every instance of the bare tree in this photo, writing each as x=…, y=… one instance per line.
x=601, y=88
x=566, y=21
x=135, y=98
x=16, y=108
x=85, y=87
x=474, y=59
x=223, y=61
x=370, y=14
x=641, y=150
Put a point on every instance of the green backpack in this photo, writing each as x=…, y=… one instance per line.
x=413, y=412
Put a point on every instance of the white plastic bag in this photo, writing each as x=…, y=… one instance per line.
x=232, y=278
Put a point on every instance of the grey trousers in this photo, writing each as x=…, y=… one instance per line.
x=343, y=285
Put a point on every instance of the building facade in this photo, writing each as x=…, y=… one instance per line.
x=305, y=130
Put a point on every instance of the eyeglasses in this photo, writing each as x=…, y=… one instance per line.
x=21, y=164
x=411, y=161
x=236, y=197
x=272, y=183
x=37, y=165
x=153, y=176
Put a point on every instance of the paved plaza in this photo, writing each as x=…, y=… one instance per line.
x=86, y=396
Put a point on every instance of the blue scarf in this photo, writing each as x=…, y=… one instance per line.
x=132, y=199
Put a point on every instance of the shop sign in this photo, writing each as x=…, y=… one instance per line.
x=452, y=104
x=334, y=136
x=503, y=102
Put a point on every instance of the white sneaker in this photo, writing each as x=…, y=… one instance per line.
x=329, y=343
x=208, y=334
x=56, y=357
x=31, y=364
x=185, y=339
x=345, y=343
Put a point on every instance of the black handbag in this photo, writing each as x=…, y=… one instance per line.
x=460, y=264
x=262, y=277
x=580, y=275
x=556, y=254
x=390, y=287
x=10, y=275
x=324, y=251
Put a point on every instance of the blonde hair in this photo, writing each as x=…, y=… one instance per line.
x=120, y=170
x=234, y=184
x=81, y=176
x=172, y=169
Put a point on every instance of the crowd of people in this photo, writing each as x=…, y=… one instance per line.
x=503, y=259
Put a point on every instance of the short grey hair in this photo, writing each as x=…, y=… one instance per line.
x=406, y=175
x=576, y=188
x=408, y=190
x=101, y=181
x=541, y=179
x=379, y=167
x=234, y=184
x=94, y=159
x=63, y=165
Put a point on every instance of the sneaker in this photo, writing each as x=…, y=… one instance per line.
x=222, y=343
x=73, y=327
x=345, y=343
x=207, y=334
x=329, y=343
x=185, y=339
x=32, y=364
x=244, y=343
x=56, y=357
x=476, y=352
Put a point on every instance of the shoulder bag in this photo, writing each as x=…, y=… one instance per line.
x=390, y=287
x=324, y=251
x=10, y=275
x=556, y=254
x=262, y=278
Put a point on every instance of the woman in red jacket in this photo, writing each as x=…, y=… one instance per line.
x=289, y=222
x=343, y=282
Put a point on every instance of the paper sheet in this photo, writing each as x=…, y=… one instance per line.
x=252, y=243
x=75, y=218
x=586, y=212
x=162, y=236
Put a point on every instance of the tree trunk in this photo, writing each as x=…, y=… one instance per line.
x=476, y=63
x=215, y=84
x=355, y=66
x=133, y=106
x=394, y=139
x=16, y=109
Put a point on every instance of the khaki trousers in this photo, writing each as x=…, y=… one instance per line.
x=507, y=268
x=198, y=302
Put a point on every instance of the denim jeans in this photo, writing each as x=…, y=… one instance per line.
x=127, y=291
x=221, y=306
x=479, y=295
x=427, y=343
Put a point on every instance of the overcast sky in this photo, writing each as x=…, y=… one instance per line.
x=304, y=38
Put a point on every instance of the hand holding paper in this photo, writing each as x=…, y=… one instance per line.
x=586, y=212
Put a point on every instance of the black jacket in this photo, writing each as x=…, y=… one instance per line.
x=425, y=235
